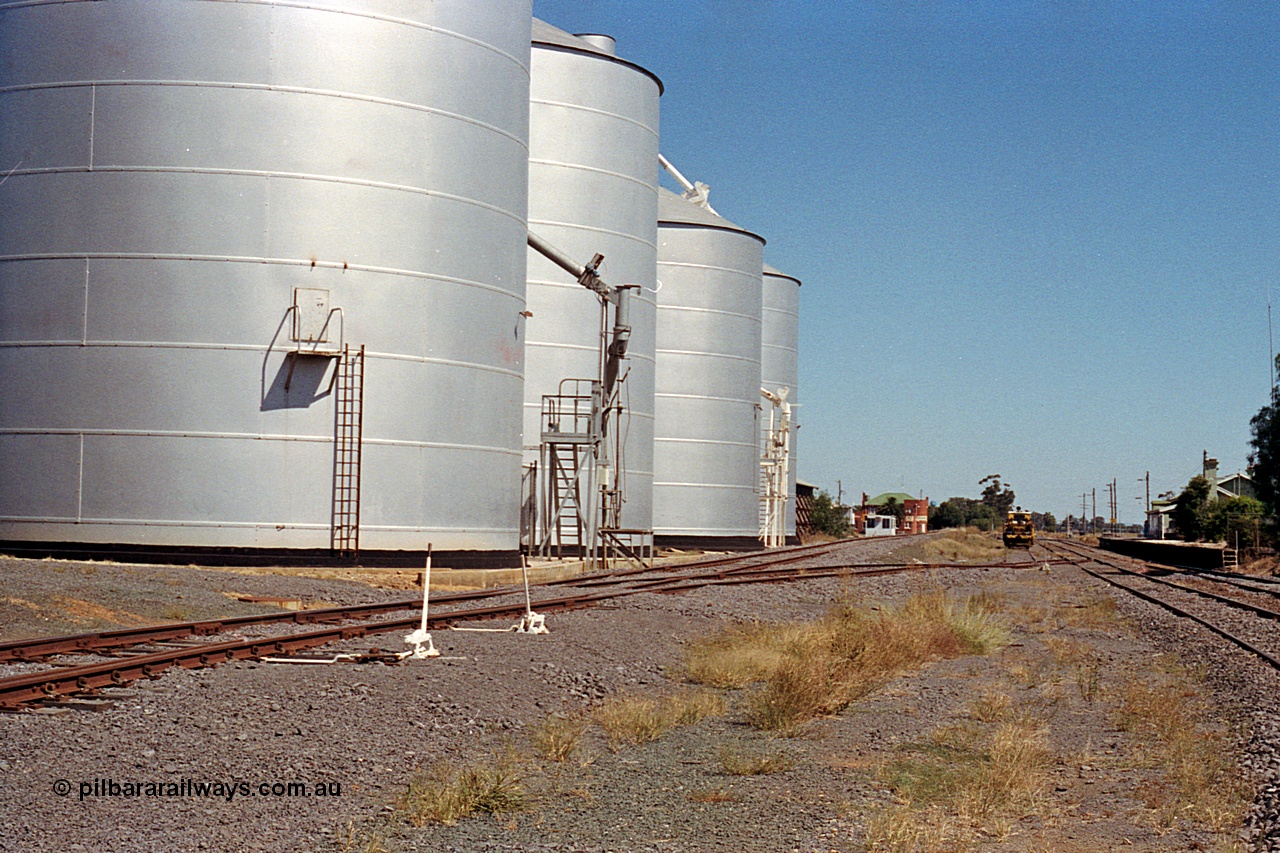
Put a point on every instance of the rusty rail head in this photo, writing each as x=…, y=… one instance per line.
x=1080, y=559
x=22, y=689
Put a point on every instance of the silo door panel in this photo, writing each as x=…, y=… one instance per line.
x=310, y=315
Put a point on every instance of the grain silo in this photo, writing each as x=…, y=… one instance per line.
x=209, y=204
x=593, y=188
x=706, y=445
x=780, y=360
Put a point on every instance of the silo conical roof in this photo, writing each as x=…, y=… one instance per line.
x=550, y=36
x=677, y=210
x=768, y=270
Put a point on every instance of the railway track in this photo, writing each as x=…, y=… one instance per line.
x=1214, y=611
x=194, y=644
x=108, y=642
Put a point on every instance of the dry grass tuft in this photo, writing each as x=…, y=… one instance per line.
x=445, y=794
x=713, y=795
x=556, y=738
x=640, y=719
x=1011, y=775
x=692, y=707
x=1099, y=614
x=811, y=670
x=969, y=545
x=990, y=707
x=961, y=779
x=804, y=688
x=1031, y=618
x=1268, y=566
x=354, y=839
x=1089, y=679
x=736, y=762
x=1067, y=652
x=901, y=829
x=741, y=655
x=632, y=719
x=1083, y=661
x=1200, y=782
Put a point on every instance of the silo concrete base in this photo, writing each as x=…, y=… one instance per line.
x=709, y=543
x=320, y=557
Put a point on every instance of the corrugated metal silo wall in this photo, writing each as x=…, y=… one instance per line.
x=706, y=446
x=593, y=184
x=780, y=360
x=179, y=168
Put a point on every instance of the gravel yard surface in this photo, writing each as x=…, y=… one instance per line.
x=364, y=731
x=51, y=597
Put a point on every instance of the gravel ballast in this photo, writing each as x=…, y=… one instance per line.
x=367, y=729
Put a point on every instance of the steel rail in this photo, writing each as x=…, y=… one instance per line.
x=762, y=574
x=18, y=690
x=35, y=649
x=1176, y=610
x=30, y=650
x=41, y=647
x=1234, y=579
x=1231, y=602
x=21, y=689
x=682, y=585
x=801, y=552
x=1272, y=581
x=1274, y=593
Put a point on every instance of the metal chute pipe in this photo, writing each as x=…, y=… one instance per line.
x=675, y=173
x=694, y=191
x=621, y=319
x=556, y=256
x=621, y=335
x=587, y=275
x=590, y=279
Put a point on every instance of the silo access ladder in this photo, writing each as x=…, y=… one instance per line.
x=569, y=432
x=348, y=440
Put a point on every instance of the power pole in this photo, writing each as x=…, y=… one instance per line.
x=1115, y=508
x=1084, y=512
x=1093, y=517
x=839, y=493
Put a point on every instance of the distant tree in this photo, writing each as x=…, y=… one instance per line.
x=1264, y=458
x=892, y=507
x=999, y=496
x=1240, y=517
x=946, y=514
x=826, y=517
x=1191, y=510
x=962, y=512
x=1044, y=521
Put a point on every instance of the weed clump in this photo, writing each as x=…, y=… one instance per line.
x=556, y=738
x=640, y=719
x=816, y=669
x=445, y=794
x=967, y=545
x=712, y=795
x=1199, y=781
x=960, y=779
x=736, y=762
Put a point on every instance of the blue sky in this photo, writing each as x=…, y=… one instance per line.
x=1036, y=239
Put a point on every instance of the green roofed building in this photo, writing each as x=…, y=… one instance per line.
x=898, y=497
x=916, y=510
